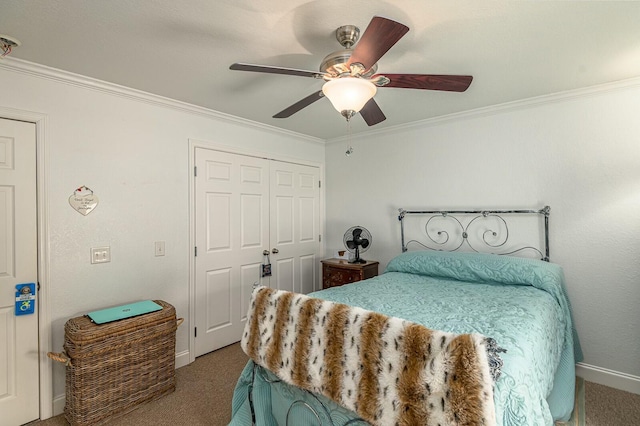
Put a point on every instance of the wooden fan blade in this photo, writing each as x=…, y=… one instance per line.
x=450, y=83
x=372, y=113
x=275, y=70
x=289, y=111
x=378, y=38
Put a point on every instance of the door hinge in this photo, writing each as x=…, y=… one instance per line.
x=195, y=331
x=319, y=238
x=195, y=251
x=38, y=286
x=319, y=184
x=195, y=171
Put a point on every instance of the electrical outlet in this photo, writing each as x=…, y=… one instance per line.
x=159, y=248
x=100, y=254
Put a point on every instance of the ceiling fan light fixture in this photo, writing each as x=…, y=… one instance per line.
x=349, y=93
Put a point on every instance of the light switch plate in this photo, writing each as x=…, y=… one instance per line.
x=100, y=254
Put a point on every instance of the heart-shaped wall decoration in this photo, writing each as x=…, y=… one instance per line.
x=83, y=200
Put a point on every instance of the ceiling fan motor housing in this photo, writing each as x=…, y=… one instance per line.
x=335, y=63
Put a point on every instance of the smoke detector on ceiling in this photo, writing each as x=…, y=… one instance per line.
x=7, y=43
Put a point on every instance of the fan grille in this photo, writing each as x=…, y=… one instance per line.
x=357, y=240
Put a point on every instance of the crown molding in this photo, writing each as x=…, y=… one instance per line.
x=500, y=108
x=54, y=74
x=42, y=71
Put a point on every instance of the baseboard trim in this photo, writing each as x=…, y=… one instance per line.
x=58, y=405
x=611, y=378
x=182, y=359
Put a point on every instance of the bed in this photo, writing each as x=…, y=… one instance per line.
x=516, y=308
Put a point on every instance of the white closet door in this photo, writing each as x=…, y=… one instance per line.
x=232, y=230
x=295, y=226
x=19, y=385
x=245, y=205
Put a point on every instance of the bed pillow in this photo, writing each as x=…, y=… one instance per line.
x=479, y=267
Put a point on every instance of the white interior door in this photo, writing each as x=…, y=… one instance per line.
x=245, y=205
x=295, y=226
x=19, y=386
x=232, y=230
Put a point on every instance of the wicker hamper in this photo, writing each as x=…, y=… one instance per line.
x=113, y=368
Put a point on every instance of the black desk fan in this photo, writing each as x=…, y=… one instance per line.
x=357, y=240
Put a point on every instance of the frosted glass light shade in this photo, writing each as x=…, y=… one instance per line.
x=349, y=93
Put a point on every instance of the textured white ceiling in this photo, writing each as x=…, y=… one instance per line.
x=183, y=49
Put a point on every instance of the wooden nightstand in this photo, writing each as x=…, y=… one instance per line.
x=336, y=272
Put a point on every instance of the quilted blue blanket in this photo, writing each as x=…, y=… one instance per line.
x=521, y=303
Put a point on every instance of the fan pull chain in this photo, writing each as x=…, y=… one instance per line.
x=349, y=150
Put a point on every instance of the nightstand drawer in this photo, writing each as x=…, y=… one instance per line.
x=332, y=277
x=336, y=272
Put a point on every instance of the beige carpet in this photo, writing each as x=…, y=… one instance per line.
x=204, y=390
x=610, y=407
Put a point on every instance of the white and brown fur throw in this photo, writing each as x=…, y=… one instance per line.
x=388, y=370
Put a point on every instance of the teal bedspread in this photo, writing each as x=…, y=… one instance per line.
x=521, y=303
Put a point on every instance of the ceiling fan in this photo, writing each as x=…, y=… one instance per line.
x=350, y=73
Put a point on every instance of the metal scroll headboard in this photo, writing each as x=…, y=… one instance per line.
x=492, y=236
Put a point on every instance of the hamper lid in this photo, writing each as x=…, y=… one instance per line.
x=124, y=311
x=81, y=331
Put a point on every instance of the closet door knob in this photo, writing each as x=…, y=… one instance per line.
x=265, y=252
x=275, y=251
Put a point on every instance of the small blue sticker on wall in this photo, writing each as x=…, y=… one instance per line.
x=25, y=299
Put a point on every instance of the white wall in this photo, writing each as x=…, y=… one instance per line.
x=581, y=155
x=132, y=151
x=578, y=153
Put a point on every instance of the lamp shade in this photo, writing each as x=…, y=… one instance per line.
x=349, y=93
